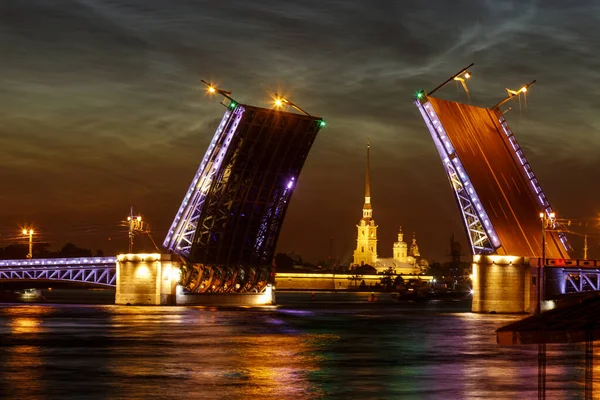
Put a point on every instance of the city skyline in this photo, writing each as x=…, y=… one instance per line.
x=103, y=108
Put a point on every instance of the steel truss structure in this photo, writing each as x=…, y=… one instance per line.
x=535, y=186
x=581, y=280
x=99, y=271
x=227, y=226
x=482, y=237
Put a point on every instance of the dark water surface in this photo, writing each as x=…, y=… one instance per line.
x=337, y=346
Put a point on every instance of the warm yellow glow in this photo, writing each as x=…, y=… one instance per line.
x=267, y=296
x=503, y=260
x=24, y=231
x=139, y=218
x=552, y=215
x=142, y=272
x=524, y=89
x=541, y=215
x=278, y=102
x=212, y=89
x=467, y=75
x=138, y=257
x=174, y=274
x=25, y=325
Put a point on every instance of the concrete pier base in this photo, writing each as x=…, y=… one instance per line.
x=226, y=299
x=503, y=284
x=151, y=279
x=146, y=279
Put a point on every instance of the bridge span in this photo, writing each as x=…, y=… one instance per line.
x=97, y=271
x=505, y=212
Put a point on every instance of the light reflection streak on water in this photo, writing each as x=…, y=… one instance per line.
x=309, y=350
x=21, y=362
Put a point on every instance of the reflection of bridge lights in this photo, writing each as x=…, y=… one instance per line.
x=472, y=291
x=25, y=325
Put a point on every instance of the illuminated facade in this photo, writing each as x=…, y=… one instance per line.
x=366, y=240
x=405, y=260
x=228, y=224
x=400, y=248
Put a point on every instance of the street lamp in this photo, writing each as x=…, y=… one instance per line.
x=547, y=221
x=135, y=225
x=30, y=233
x=280, y=101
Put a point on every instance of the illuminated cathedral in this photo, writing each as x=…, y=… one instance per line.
x=406, y=259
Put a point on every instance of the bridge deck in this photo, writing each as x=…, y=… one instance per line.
x=498, y=179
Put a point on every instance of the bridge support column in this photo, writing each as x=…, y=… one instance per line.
x=556, y=282
x=146, y=279
x=501, y=284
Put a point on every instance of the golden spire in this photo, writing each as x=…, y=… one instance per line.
x=368, y=180
x=367, y=211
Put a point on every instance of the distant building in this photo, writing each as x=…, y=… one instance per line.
x=405, y=260
x=366, y=241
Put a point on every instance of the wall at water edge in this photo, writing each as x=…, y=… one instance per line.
x=503, y=284
x=311, y=281
x=146, y=279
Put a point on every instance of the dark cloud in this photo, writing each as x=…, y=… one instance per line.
x=101, y=105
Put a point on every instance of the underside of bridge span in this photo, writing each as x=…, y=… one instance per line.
x=228, y=224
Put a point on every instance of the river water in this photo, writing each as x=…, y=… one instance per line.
x=337, y=346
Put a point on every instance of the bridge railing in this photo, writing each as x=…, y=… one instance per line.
x=91, y=270
x=58, y=261
x=567, y=263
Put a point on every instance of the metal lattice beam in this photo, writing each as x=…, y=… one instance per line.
x=535, y=186
x=99, y=271
x=183, y=229
x=481, y=233
x=228, y=224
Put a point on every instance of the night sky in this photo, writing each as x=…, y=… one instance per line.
x=101, y=107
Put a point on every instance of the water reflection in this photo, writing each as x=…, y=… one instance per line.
x=22, y=364
x=306, y=350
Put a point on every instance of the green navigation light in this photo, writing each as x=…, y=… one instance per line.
x=233, y=104
x=420, y=94
x=322, y=123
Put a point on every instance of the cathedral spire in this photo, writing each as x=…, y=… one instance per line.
x=366, y=240
x=367, y=210
x=368, y=180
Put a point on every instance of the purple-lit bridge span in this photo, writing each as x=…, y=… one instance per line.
x=95, y=271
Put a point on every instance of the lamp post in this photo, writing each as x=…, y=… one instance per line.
x=135, y=225
x=546, y=221
x=30, y=233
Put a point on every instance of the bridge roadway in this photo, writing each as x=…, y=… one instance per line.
x=482, y=145
x=100, y=271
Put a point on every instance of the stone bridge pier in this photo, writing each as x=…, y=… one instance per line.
x=504, y=284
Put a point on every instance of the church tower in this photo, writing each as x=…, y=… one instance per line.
x=400, y=248
x=414, y=249
x=366, y=241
